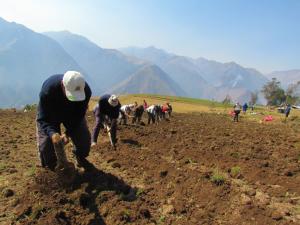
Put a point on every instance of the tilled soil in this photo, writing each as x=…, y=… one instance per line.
x=194, y=169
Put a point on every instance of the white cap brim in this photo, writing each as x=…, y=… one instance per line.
x=75, y=96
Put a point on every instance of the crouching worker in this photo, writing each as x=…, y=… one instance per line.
x=166, y=109
x=63, y=100
x=125, y=112
x=137, y=115
x=106, y=115
x=153, y=112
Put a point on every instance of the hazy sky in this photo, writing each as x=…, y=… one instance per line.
x=264, y=34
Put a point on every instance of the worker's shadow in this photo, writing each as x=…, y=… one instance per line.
x=97, y=182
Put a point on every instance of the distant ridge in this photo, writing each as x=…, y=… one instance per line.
x=149, y=79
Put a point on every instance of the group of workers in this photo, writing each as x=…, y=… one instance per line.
x=64, y=99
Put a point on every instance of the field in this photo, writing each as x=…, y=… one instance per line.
x=197, y=168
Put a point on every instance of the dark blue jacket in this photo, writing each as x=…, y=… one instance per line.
x=288, y=109
x=105, y=108
x=54, y=108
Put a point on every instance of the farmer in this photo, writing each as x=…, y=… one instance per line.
x=287, y=110
x=166, y=109
x=237, y=110
x=138, y=113
x=63, y=100
x=106, y=114
x=170, y=109
x=145, y=105
x=153, y=112
x=125, y=112
x=245, y=107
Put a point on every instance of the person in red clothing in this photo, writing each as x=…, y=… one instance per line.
x=166, y=109
x=145, y=105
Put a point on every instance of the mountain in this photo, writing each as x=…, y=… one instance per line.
x=204, y=78
x=149, y=79
x=286, y=77
x=107, y=67
x=27, y=58
x=179, y=68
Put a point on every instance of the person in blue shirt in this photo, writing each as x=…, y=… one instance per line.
x=106, y=113
x=63, y=100
x=245, y=107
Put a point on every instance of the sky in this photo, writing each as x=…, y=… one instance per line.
x=262, y=34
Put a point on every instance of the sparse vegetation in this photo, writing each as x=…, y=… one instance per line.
x=2, y=167
x=29, y=107
x=139, y=192
x=161, y=219
x=235, y=171
x=218, y=177
x=31, y=172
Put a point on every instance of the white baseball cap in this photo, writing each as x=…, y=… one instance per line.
x=113, y=100
x=74, y=84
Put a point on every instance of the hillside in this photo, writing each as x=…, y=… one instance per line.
x=27, y=58
x=204, y=78
x=107, y=67
x=149, y=79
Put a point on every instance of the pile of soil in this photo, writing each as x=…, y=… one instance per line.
x=193, y=169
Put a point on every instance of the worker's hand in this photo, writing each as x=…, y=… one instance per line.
x=108, y=129
x=65, y=139
x=56, y=138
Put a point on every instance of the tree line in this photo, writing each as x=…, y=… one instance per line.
x=276, y=95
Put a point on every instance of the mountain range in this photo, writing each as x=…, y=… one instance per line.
x=27, y=58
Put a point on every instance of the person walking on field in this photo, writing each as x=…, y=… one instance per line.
x=63, y=100
x=245, y=107
x=237, y=110
x=106, y=114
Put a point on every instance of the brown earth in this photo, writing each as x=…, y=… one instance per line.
x=195, y=169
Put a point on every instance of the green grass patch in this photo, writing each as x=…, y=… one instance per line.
x=218, y=177
x=235, y=171
x=161, y=219
x=31, y=172
x=2, y=167
x=181, y=99
x=139, y=192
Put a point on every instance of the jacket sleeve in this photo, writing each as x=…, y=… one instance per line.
x=45, y=115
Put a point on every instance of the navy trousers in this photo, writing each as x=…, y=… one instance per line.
x=80, y=137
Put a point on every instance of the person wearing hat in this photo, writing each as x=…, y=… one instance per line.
x=106, y=114
x=63, y=100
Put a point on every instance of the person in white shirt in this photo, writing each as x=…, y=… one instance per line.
x=125, y=112
x=237, y=109
x=153, y=113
